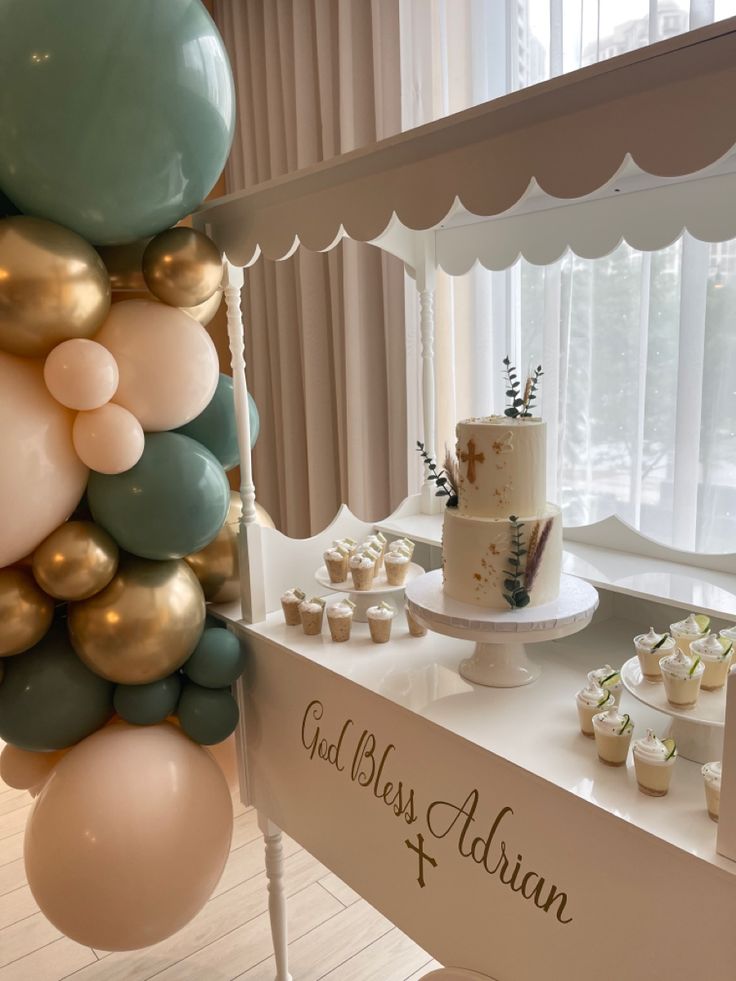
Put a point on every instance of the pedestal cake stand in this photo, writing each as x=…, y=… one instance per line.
x=500, y=659
x=380, y=590
x=698, y=731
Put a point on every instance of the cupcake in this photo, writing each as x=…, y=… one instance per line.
x=650, y=648
x=712, y=783
x=716, y=654
x=290, y=605
x=590, y=701
x=379, y=622
x=336, y=562
x=397, y=566
x=416, y=629
x=406, y=543
x=693, y=627
x=340, y=620
x=609, y=679
x=375, y=554
x=653, y=763
x=363, y=570
x=612, y=732
x=682, y=675
x=311, y=613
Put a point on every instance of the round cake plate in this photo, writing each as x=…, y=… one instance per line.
x=380, y=590
x=698, y=731
x=500, y=659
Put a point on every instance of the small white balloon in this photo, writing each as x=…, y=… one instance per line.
x=109, y=439
x=81, y=374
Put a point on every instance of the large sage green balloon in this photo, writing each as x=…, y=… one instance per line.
x=116, y=118
x=207, y=715
x=145, y=705
x=217, y=661
x=172, y=502
x=216, y=428
x=49, y=699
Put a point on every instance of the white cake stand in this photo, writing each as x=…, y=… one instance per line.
x=500, y=659
x=380, y=590
x=698, y=731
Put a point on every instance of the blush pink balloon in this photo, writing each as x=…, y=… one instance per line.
x=23, y=769
x=109, y=439
x=41, y=477
x=167, y=362
x=81, y=374
x=129, y=836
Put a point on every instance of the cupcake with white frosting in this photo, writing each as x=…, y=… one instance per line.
x=612, y=731
x=290, y=601
x=363, y=570
x=380, y=618
x=311, y=613
x=649, y=649
x=693, y=627
x=608, y=678
x=716, y=654
x=340, y=620
x=336, y=562
x=654, y=760
x=682, y=675
x=590, y=701
x=397, y=566
x=712, y=784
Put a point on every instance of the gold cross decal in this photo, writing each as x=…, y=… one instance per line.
x=471, y=458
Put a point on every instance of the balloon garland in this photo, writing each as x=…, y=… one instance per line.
x=116, y=431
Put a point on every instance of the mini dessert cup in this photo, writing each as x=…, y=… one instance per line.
x=402, y=543
x=590, y=701
x=378, y=542
x=336, y=562
x=693, y=627
x=609, y=679
x=379, y=621
x=340, y=620
x=311, y=613
x=650, y=648
x=612, y=732
x=363, y=570
x=682, y=675
x=290, y=605
x=716, y=654
x=653, y=762
x=712, y=783
x=416, y=629
x=397, y=566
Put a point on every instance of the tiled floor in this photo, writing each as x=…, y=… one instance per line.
x=334, y=934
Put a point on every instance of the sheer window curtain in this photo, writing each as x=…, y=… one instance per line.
x=638, y=348
x=324, y=332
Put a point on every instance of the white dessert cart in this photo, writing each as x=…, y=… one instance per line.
x=479, y=819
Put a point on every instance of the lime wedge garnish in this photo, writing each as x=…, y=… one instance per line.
x=727, y=646
x=623, y=728
x=671, y=748
x=606, y=698
x=660, y=642
x=702, y=621
x=610, y=680
x=696, y=662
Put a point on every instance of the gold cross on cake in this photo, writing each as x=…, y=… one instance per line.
x=471, y=458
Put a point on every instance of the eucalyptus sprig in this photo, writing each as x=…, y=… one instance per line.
x=442, y=479
x=516, y=595
x=521, y=404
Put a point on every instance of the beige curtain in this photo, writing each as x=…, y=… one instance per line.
x=325, y=341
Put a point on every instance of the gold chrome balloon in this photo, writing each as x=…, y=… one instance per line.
x=217, y=566
x=124, y=264
x=182, y=267
x=141, y=627
x=25, y=612
x=75, y=561
x=53, y=286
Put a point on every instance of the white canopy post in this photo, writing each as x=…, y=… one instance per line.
x=251, y=556
x=426, y=273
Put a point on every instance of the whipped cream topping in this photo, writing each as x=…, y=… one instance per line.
x=361, y=560
x=729, y=634
x=334, y=555
x=687, y=626
x=600, y=674
x=400, y=543
x=293, y=594
x=397, y=558
x=650, y=749
x=712, y=774
x=709, y=648
x=680, y=665
x=593, y=695
x=613, y=722
x=311, y=606
x=650, y=640
x=380, y=612
x=341, y=609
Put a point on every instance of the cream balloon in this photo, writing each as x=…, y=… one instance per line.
x=129, y=836
x=167, y=361
x=81, y=374
x=23, y=769
x=41, y=477
x=109, y=439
